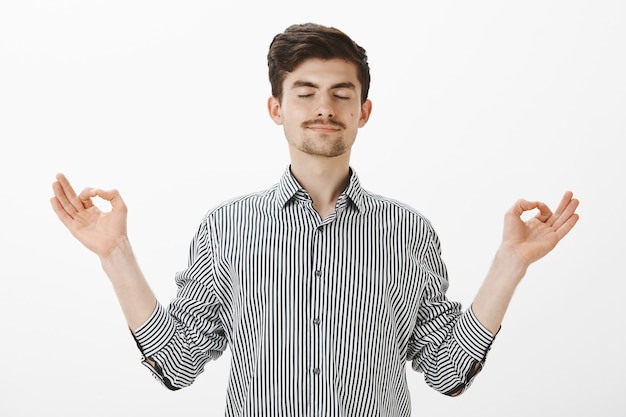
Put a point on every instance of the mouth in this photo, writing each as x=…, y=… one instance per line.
x=323, y=128
x=328, y=126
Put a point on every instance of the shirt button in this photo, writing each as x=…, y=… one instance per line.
x=316, y=322
x=316, y=371
x=318, y=273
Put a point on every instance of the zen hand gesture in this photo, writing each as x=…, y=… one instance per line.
x=533, y=239
x=99, y=231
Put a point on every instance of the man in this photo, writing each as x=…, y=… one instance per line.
x=321, y=290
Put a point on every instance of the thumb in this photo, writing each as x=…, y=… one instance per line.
x=113, y=197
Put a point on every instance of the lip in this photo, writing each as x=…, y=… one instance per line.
x=323, y=128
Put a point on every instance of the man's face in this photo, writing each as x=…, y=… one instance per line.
x=321, y=108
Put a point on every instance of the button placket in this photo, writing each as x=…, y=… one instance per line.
x=316, y=369
x=315, y=327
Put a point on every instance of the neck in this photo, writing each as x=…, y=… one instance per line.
x=324, y=179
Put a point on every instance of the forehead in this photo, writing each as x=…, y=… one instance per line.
x=323, y=72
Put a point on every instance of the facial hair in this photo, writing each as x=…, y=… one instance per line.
x=312, y=146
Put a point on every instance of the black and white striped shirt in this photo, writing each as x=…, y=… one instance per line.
x=320, y=315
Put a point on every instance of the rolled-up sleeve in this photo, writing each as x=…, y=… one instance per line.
x=177, y=341
x=448, y=345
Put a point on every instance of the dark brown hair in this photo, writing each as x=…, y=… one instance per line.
x=309, y=40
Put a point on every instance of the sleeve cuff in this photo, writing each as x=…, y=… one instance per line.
x=156, y=332
x=472, y=336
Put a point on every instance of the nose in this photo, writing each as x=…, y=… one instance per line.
x=324, y=107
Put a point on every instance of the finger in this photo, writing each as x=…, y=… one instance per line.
x=60, y=196
x=567, y=197
x=65, y=194
x=522, y=206
x=67, y=188
x=565, y=228
x=544, y=212
x=60, y=211
x=113, y=197
x=566, y=213
x=85, y=197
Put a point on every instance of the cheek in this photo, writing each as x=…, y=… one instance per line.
x=294, y=112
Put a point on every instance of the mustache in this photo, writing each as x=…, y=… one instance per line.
x=323, y=122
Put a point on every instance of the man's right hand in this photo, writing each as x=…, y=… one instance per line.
x=99, y=231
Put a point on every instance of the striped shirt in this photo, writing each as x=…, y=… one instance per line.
x=320, y=315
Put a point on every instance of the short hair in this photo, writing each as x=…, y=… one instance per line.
x=310, y=40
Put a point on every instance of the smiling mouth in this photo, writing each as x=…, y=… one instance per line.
x=323, y=128
x=323, y=125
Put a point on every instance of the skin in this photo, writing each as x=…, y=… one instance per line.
x=321, y=113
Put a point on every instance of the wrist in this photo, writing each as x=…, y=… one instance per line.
x=509, y=263
x=120, y=257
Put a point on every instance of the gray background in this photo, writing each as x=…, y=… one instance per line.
x=476, y=104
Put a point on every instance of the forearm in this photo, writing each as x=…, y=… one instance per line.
x=133, y=292
x=496, y=292
x=522, y=244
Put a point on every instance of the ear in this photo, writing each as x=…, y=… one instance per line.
x=273, y=107
x=366, y=110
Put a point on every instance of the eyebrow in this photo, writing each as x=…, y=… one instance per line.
x=346, y=84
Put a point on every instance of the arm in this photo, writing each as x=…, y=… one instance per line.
x=175, y=342
x=104, y=233
x=522, y=244
x=458, y=352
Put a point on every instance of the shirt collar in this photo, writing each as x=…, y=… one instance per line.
x=289, y=189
